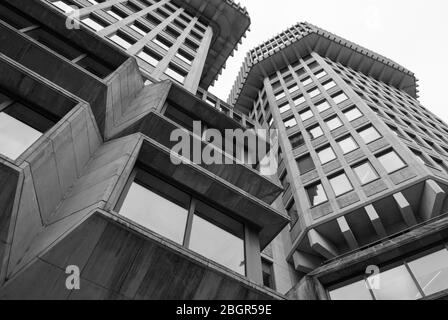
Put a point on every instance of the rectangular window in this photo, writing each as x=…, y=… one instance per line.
x=421, y=158
x=64, y=6
x=117, y=14
x=176, y=73
x=326, y=155
x=268, y=273
x=140, y=28
x=339, y=98
x=365, y=172
x=290, y=122
x=175, y=215
x=149, y=56
x=391, y=161
x=162, y=43
x=185, y=56
x=348, y=144
x=306, y=81
x=323, y=106
x=297, y=140
x=123, y=41
x=314, y=93
x=94, y=23
x=306, y=114
x=280, y=95
x=369, y=134
x=341, y=184
x=333, y=123
x=316, y=194
x=321, y=74
x=285, y=107
x=305, y=164
x=315, y=132
x=299, y=100
x=329, y=85
x=352, y=114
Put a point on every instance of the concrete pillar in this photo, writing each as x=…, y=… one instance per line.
x=347, y=233
x=405, y=209
x=253, y=255
x=376, y=221
x=432, y=200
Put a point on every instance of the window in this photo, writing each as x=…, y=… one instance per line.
x=268, y=273
x=162, y=42
x=94, y=23
x=63, y=5
x=352, y=114
x=305, y=164
x=306, y=81
x=20, y=127
x=314, y=93
x=348, y=144
x=174, y=214
x=431, y=272
x=323, y=106
x=339, y=98
x=290, y=122
x=284, y=107
x=315, y=132
x=421, y=158
x=280, y=95
x=116, y=14
x=122, y=40
x=333, y=123
x=292, y=211
x=329, y=85
x=185, y=56
x=341, y=184
x=299, y=100
x=354, y=291
x=316, y=194
x=149, y=56
x=140, y=28
x=321, y=74
x=306, y=114
x=391, y=161
x=176, y=73
x=369, y=134
x=326, y=155
x=365, y=173
x=297, y=140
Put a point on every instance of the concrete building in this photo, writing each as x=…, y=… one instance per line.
x=364, y=166
x=90, y=94
x=88, y=182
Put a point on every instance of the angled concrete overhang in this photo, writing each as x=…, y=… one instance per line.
x=206, y=185
x=256, y=67
x=230, y=22
x=121, y=260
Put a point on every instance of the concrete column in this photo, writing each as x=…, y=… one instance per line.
x=432, y=200
x=405, y=209
x=253, y=255
x=376, y=221
x=348, y=233
x=194, y=75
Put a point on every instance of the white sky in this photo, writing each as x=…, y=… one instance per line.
x=411, y=32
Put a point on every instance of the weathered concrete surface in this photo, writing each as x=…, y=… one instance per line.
x=118, y=262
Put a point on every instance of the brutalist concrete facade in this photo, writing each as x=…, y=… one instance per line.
x=59, y=200
x=363, y=163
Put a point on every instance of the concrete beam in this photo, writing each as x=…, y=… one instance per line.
x=321, y=245
x=405, y=209
x=347, y=233
x=432, y=200
x=376, y=221
x=304, y=262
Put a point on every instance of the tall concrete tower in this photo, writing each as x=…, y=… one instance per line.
x=364, y=166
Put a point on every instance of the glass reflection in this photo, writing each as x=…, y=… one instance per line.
x=155, y=212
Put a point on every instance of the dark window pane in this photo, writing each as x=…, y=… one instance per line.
x=305, y=164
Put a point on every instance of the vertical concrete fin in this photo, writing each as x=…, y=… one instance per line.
x=322, y=245
x=432, y=200
x=405, y=208
x=304, y=262
x=376, y=221
x=347, y=233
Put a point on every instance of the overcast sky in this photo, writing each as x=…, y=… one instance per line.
x=412, y=33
